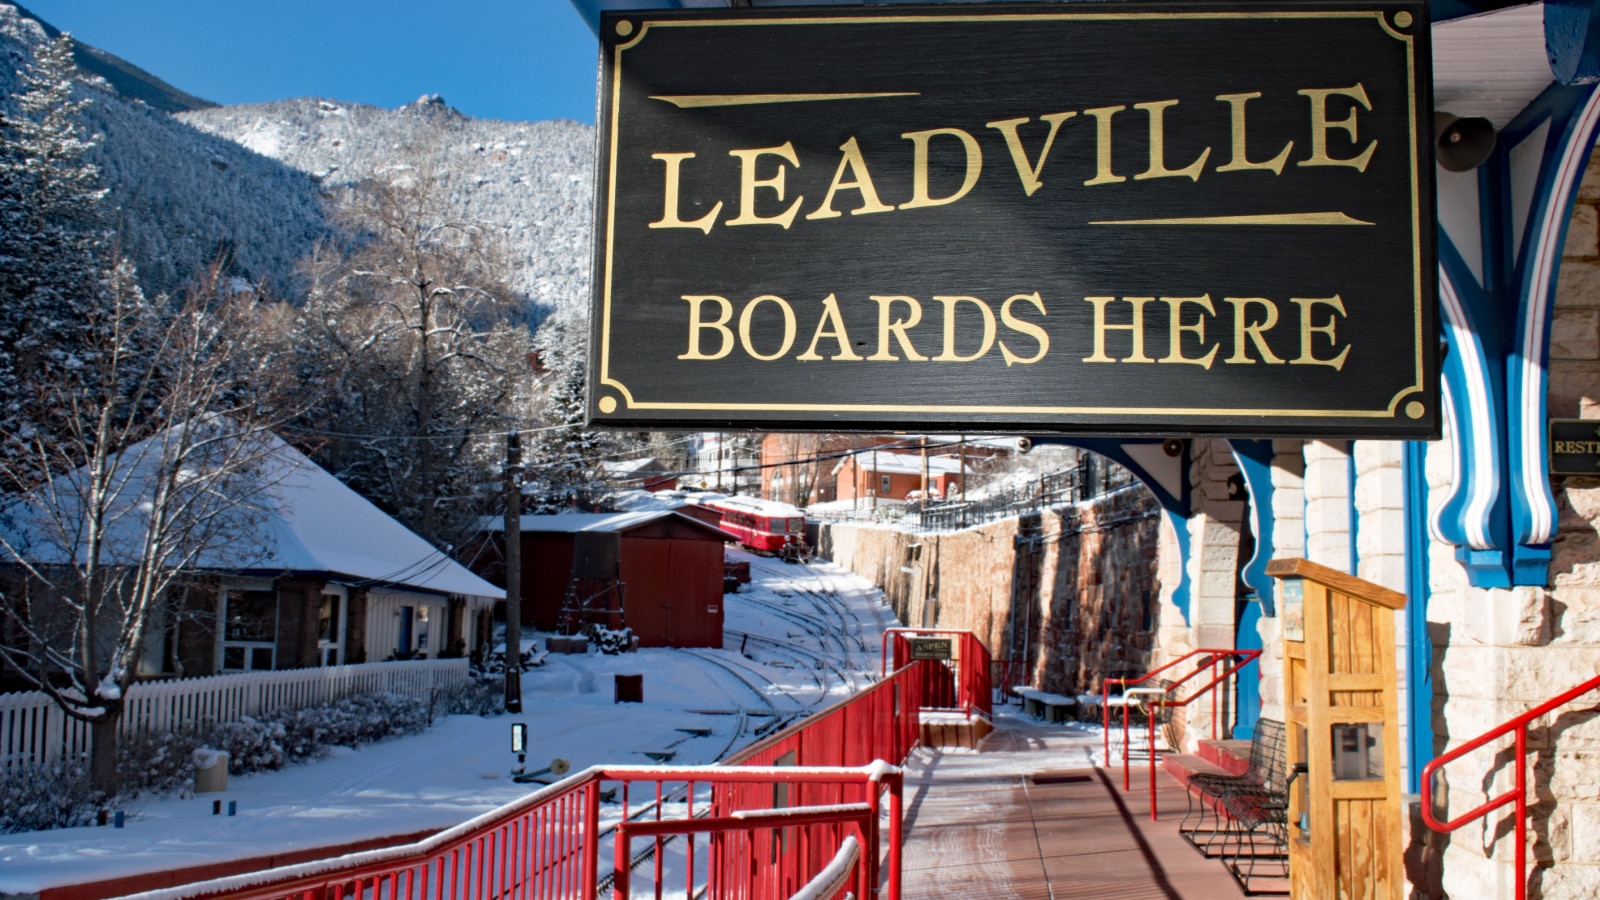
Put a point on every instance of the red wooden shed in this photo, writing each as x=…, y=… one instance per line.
x=670, y=564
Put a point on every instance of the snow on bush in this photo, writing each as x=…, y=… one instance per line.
x=37, y=798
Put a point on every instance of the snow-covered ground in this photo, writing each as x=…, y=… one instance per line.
x=796, y=639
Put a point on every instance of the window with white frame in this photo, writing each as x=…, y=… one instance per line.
x=249, y=631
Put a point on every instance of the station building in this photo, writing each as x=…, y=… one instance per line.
x=1498, y=556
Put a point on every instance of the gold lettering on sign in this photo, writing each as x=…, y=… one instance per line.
x=748, y=182
x=1136, y=327
x=950, y=303
x=1102, y=144
x=1029, y=172
x=1027, y=328
x=1241, y=159
x=1243, y=327
x=897, y=327
x=830, y=325
x=1307, y=306
x=788, y=327
x=1176, y=328
x=698, y=324
x=860, y=182
x=1320, y=126
x=1157, y=112
x=919, y=167
x=669, y=214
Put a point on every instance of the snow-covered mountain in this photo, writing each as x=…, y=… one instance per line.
x=533, y=181
x=194, y=181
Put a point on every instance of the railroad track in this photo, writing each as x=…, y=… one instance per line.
x=812, y=661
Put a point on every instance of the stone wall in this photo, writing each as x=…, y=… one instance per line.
x=1072, y=591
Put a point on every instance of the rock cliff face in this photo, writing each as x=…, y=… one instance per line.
x=1071, y=593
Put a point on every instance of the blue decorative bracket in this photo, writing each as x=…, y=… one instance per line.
x=1502, y=229
x=1255, y=463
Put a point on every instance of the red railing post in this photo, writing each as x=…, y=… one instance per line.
x=591, y=840
x=896, y=791
x=1152, y=759
x=1522, y=811
x=1125, y=783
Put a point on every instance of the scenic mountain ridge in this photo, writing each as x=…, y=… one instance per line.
x=193, y=181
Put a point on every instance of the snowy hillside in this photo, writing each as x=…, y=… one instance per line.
x=534, y=181
x=245, y=181
x=185, y=196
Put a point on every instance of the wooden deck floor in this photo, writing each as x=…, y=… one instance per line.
x=980, y=825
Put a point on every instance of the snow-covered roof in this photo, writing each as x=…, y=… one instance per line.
x=902, y=463
x=755, y=505
x=624, y=467
x=567, y=523
x=306, y=520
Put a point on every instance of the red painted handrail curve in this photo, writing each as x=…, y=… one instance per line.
x=1518, y=794
x=1243, y=657
x=540, y=845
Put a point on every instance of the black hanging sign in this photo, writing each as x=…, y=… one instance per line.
x=1185, y=218
x=930, y=648
x=1575, y=447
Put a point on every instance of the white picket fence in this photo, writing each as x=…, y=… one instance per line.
x=34, y=730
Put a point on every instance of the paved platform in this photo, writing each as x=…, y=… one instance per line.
x=1030, y=817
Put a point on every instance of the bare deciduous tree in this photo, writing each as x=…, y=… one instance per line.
x=158, y=463
x=412, y=326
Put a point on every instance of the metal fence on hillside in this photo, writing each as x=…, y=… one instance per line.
x=1094, y=476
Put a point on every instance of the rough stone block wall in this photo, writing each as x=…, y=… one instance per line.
x=1072, y=590
x=1497, y=652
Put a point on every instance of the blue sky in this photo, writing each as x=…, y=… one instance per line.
x=500, y=59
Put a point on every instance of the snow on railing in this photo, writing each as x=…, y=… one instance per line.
x=33, y=730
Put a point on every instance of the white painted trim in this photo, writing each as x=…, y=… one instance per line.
x=1483, y=481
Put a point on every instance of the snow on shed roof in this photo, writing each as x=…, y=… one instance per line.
x=567, y=523
x=903, y=463
x=308, y=521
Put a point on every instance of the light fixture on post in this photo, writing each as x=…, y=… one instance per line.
x=1461, y=144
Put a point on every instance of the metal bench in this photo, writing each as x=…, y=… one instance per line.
x=1242, y=819
x=1044, y=705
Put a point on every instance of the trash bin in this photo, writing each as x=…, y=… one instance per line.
x=630, y=689
x=210, y=770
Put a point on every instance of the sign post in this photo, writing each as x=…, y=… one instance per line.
x=1091, y=218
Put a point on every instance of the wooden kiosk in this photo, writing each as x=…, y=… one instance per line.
x=1344, y=733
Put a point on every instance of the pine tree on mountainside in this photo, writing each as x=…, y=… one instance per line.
x=57, y=265
x=562, y=469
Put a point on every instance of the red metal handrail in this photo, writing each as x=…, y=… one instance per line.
x=973, y=689
x=1517, y=795
x=547, y=844
x=1243, y=658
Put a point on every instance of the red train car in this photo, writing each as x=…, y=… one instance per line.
x=765, y=526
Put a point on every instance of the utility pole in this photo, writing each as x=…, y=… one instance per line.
x=963, y=468
x=924, y=471
x=513, y=557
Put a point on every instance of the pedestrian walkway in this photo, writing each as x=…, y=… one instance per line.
x=1029, y=817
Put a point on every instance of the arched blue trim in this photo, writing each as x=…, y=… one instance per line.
x=1573, y=113
x=1174, y=506
x=1499, y=512
x=1572, y=40
x=1255, y=463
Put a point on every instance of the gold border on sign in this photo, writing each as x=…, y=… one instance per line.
x=1390, y=411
